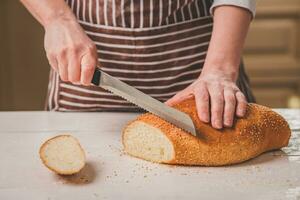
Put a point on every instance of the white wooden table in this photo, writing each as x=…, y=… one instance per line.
x=110, y=174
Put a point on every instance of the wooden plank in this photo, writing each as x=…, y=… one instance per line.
x=280, y=8
x=272, y=36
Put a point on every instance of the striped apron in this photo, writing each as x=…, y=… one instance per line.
x=157, y=46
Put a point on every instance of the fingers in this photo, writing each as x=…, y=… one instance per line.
x=217, y=106
x=180, y=96
x=241, y=104
x=74, y=66
x=63, y=65
x=229, y=107
x=70, y=51
x=202, y=103
x=74, y=69
x=215, y=102
x=88, y=64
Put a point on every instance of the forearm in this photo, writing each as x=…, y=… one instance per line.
x=46, y=11
x=229, y=32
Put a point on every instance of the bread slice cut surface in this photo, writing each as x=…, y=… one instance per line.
x=63, y=154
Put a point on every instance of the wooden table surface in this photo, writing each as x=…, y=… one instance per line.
x=110, y=174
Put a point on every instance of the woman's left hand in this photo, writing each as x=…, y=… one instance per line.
x=218, y=99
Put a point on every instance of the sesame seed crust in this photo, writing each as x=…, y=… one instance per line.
x=259, y=131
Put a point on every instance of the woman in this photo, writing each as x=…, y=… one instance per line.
x=169, y=49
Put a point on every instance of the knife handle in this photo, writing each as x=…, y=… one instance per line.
x=96, y=77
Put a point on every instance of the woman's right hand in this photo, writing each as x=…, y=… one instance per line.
x=70, y=51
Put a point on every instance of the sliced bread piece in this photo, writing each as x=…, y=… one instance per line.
x=153, y=139
x=63, y=154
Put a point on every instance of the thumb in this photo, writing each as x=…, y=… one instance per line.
x=180, y=96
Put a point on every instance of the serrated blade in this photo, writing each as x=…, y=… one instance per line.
x=119, y=88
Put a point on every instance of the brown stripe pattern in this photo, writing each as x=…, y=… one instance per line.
x=157, y=46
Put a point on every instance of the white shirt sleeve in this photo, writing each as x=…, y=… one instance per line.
x=247, y=4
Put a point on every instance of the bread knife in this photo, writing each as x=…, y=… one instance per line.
x=146, y=102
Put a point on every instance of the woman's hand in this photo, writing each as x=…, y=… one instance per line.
x=69, y=50
x=218, y=99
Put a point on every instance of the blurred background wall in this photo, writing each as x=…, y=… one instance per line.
x=272, y=56
x=23, y=67
x=272, y=53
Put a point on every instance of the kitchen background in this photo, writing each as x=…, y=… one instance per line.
x=271, y=55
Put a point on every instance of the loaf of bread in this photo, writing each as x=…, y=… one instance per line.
x=153, y=139
x=63, y=155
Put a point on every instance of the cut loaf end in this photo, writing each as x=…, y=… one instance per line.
x=147, y=142
x=63, y=154
x=153, y=139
